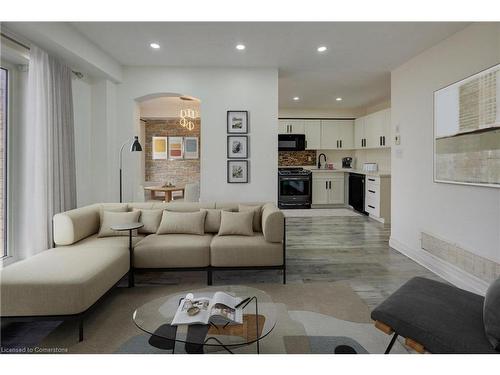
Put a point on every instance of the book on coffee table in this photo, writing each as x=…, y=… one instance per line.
x=218, y=310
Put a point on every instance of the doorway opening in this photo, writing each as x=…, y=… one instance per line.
x=170, y=127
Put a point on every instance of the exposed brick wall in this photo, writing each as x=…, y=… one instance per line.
x=179, y=172
x=292, y=158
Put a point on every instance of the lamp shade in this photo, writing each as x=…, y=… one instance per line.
x=136, y=146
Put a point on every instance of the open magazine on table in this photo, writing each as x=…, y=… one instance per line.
x=220, y=309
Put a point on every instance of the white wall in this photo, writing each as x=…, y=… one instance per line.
x=218, y=90
x=464, y=215
x=82, y=108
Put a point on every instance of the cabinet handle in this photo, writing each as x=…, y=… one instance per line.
x=330, y=185
x=371, y=206
x=291, y=128
x=326, y=185
x=371, y=191
x=380, y=141
x=371, y=179
x=383, y=140
x=306, y=143
x=341, y=143
x=337, y=143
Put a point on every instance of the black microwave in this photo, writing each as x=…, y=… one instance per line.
x=291, y=142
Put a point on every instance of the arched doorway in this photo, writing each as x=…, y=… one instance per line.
x=170, y=130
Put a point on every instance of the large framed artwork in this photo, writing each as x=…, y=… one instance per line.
x=467, y=130
x=175, y=148
x=159, y=148
x=191, y=148
x=237, y=122
x=237, y=147
x=237, y=171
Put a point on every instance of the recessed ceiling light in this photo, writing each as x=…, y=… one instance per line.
x=154, y=45
x=322, y=49
x=339, y=99
x=296, y=98
x=240, y=47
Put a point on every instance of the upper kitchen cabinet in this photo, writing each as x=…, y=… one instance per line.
x=373, y=130
x=312, y=130
x=359, y=133
x=291, y=127
x=337, y=134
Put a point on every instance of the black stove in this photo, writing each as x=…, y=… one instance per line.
x=294, y=188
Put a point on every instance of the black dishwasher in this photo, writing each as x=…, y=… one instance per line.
x=357, y=192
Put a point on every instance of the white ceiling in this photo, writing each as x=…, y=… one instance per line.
x=356, y=65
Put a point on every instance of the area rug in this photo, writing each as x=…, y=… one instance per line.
x=312, y=318
x=320, y=212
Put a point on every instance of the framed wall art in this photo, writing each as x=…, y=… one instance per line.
x=237, y=122
x=191, y=148
x=237, y=147
x=237, y=171
x=467, y=130
x=159, y=148
x=175, y=148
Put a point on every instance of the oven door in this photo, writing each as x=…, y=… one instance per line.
x=291, y=142
x=295, y=190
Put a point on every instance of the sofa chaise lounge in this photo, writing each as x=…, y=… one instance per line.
x=68, y=281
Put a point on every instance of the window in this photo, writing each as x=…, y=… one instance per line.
x=4, y=93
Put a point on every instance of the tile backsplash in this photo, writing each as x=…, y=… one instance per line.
x=296, y=158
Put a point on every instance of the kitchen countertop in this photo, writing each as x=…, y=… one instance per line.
x=314, y=169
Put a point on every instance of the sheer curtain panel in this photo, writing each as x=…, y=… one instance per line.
x=48, y=166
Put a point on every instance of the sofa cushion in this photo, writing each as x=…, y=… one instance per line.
x=116, y=218
x=441, y=317
x=111, y=207
x=257, y=215
x=491, y=314
x=151, y=220
x=245, y=251
x=182, y=223
x=173, y=251
x=212, y=220
x=236, y=223
x=64, y=280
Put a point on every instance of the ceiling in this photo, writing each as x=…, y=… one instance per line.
x=356, y=66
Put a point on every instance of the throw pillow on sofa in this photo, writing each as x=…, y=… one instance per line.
x=491, y=314
x=151, y=220
x=257, y=215
x=212, y=220
x=111, y=207
x=110, y=218
x=236, y=223
x=182, y=223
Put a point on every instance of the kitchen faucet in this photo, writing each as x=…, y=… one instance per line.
x=319, y=160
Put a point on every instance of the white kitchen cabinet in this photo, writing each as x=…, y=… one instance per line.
x=328, y=188
x=337, y=134
x=312, y=130
x=378, y=198
x=359, y=133
x=291, y=126
x=373, y=130
x=320, y=192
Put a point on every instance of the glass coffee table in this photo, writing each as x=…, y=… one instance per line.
x=259, y=319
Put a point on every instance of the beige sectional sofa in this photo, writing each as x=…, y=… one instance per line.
x=67, y=281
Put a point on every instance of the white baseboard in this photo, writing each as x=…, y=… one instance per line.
x=445, y=270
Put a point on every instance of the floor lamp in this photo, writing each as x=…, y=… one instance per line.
x=136, y=146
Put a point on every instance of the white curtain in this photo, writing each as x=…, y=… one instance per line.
x=47, y=140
